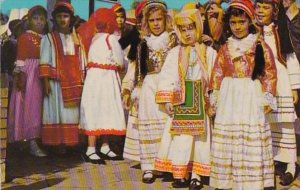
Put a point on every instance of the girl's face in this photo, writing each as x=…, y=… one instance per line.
x=120, y=18
x=37, y=23
x=239, y=25
x=188, y=33
x=157, y=22
x=264, y=13
x=63, y=20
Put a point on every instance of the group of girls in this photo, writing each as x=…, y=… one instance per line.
x=223, y=109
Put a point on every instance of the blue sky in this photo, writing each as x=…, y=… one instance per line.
x=80, y=6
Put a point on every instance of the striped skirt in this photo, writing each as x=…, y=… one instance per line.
x=284, y=142
x=151, y=122
x=132, y=145
x=241, y=154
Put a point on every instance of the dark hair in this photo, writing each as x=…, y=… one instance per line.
x=63, y=9
x=236, y=12
x=38, y=12
x=283, y=32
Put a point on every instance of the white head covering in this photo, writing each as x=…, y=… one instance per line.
x=14, y=14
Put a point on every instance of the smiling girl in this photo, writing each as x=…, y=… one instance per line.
x=243, y=85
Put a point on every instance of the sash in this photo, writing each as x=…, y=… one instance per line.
x=189, y=117
x=69, y=72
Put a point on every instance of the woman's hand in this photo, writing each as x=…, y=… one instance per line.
x=169, y=108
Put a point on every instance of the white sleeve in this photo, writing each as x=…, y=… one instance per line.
x=45, y=51
x=211, y=56
x=129, y=79
x=168, y=76
x=118, y=54
x=293, y=70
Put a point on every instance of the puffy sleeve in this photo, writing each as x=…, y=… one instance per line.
x=293, y=68
x=45, y=57
x=128, y=81
x=269, y=80
x=22, y=50
x=118, y=54
x=217, y=73
x=168, y=77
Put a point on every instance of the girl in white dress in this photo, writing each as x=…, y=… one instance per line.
x=101, y=106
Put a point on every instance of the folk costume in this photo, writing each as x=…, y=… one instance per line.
x=293, y=23
x=183, y=81
x=25, y=118
x=132, y=145
x=241, y=151
x=282, y=120
x=101, y=106
x=151, y=55
x=62, y=61
x=25, y=111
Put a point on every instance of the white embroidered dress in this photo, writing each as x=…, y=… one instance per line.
x=283, y=119
x=101, y=106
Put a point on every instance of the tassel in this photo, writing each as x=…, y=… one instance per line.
x=259, y=60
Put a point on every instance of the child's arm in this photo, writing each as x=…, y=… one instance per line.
x=45, y=63
x=118, y=54
x=128, y=84
x=167, y=79
x=216, y=78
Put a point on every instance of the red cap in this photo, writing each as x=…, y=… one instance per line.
x=245, y=5
x=64, y=4
x=139, y=8
x=116, y=7
x=35, y=8
x=269, y=1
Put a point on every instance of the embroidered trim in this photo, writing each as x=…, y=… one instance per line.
x=103, y=66
x=164, y=96
x=103, y=132
x=48, y=71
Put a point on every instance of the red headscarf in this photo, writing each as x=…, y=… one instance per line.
x=103, y=20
